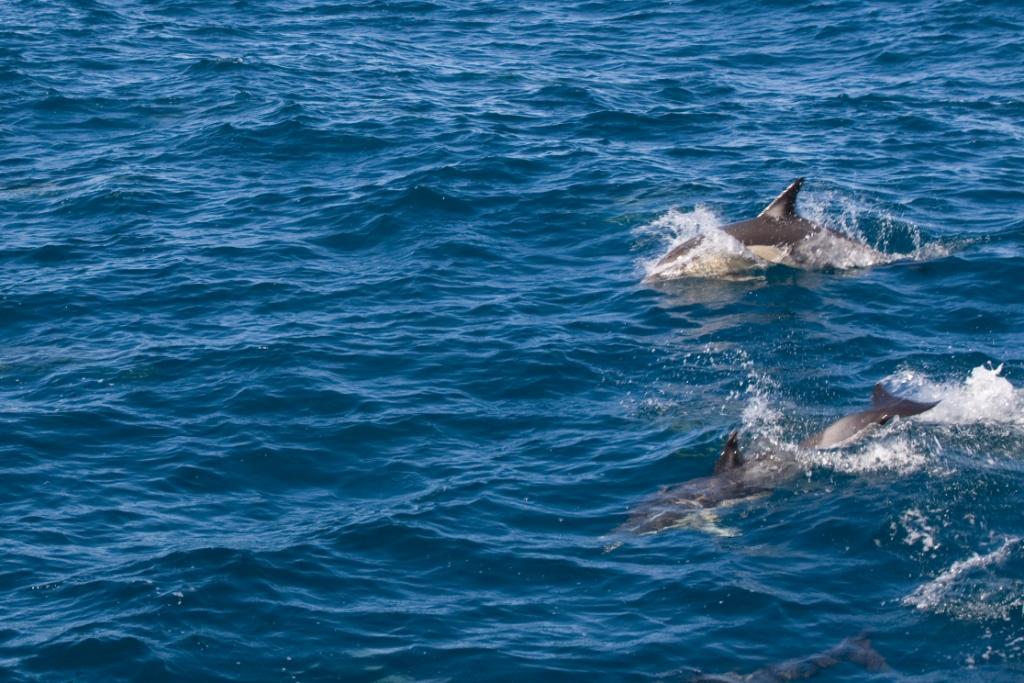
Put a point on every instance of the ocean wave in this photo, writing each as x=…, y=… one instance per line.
x=324, y=355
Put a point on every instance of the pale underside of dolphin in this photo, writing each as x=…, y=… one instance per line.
x=773, y=235
x=736, y=478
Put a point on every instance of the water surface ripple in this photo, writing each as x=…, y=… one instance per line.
x=325, y=352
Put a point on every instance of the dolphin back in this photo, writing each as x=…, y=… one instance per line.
x=885, y=406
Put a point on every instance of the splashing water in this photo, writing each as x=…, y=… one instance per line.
x=760, y=414
x=985, y=397
x=761, y=418
x=825, y=250
x=898, y=455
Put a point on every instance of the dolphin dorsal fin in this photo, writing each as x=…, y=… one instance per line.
x=880, y=398
x=784, y=206
x=730, y=458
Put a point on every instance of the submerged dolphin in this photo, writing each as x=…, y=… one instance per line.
x=737, y=478
x=690, y=504
x=775, y=235
x=856, y=650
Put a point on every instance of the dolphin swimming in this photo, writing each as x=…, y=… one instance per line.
x=857, y=650
x=737, y=477
x=779, y=235
x=884, y=407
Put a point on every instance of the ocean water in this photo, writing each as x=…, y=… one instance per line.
x=329, y=349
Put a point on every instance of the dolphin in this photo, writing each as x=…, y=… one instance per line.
x=737, y=478
x=857, y=650
x=690, y=503
x=777, y=235
x=884, y=407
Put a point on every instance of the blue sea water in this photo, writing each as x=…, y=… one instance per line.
x=326, y=349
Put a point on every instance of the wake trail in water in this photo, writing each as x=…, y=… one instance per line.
x=970, y=589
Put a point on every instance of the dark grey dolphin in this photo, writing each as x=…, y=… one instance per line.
x=856, y=650
x=691, y=504
x=775, y=235
x=737, y=478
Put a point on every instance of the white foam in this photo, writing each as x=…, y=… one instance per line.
x=918, y=530
x=760, y=414
x=985, y=397
x=969, y=590
x=891, y=451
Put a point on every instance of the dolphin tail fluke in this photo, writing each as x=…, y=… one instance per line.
x=897, y=405
x=784, y=206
